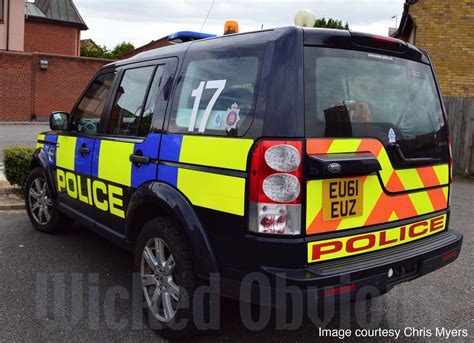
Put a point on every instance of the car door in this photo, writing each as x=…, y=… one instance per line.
x=125, y=156
x=74, y=148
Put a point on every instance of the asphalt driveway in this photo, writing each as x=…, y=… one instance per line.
x=32, y=262
x=19, y=134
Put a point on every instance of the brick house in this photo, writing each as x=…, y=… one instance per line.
x=40, y=65
x=174, y=38
x=446, y=30
x=89, y=44
x=154, y=44
x=45, y=26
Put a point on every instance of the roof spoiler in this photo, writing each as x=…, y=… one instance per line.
x=378, y=42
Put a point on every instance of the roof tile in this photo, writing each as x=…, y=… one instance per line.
x=57, y=10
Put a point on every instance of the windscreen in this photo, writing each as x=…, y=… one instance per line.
x=363, y=94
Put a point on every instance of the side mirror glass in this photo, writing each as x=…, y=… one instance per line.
x=59, y=121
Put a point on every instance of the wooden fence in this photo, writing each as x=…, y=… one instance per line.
x=460, y=111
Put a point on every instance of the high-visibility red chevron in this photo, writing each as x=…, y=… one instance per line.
x=398, y=203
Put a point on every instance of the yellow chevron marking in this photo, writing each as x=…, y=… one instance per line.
x=410, y=178
x=421, y=201
x=344, y=145
x=442, y=172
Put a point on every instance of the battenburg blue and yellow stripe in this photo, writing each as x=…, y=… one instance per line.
x=48, y=144
x=210, y=190
x=109, y=160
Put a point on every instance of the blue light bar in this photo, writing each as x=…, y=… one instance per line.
x=185, y=36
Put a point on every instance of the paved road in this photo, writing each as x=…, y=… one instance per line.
x=29, y=258
x=24, y=135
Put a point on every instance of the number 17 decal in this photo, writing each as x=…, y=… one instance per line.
x=219, y=86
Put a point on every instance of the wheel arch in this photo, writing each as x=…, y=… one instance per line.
x=156, y=199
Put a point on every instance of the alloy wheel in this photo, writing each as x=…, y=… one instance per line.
x=159, y=276
x=39, y=201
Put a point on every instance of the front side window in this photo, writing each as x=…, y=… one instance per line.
x=362, y=94
x=217, y=96
x=1, y=10
x=128, y=104
x=87, y=115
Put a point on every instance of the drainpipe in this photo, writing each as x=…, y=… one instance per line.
x=8, y=25
x=33, y=83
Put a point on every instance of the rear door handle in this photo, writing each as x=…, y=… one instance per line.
x=341, y=165
x=138, y=160
x=83, y=150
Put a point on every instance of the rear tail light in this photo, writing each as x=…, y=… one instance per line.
x=283, y=158
x=281, y=187
x=275, y=188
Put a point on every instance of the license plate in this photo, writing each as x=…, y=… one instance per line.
x=342, y=198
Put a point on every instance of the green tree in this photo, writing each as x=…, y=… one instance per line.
x=101, y=51
x=97, y=52
x=331, y=24
x=122, y=48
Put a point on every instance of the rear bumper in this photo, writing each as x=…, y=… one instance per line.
x=348, y=275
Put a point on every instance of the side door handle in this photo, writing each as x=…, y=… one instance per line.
x=84, y=150
x=138, y=160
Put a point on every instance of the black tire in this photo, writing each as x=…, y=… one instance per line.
x=169, y=232
x=57, y=220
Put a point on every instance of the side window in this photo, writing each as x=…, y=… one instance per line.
x=87, y=115
x=128, y=104
x=217, y=96
x=1, y=10
x=147, y=116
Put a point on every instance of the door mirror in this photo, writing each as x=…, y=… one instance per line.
x=59, y=121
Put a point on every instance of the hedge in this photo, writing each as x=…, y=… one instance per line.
x=17, y=164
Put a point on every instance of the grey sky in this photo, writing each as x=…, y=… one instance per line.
x=113, y=21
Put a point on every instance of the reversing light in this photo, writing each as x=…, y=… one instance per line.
x=281, y=187
x=278, y=219
x=283, y=158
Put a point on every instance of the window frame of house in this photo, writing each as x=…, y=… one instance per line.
x=2, y=10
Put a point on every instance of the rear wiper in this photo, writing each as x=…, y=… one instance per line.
x=418, y=160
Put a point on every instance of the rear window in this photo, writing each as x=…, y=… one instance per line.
x=363, y=94
x=217, y=96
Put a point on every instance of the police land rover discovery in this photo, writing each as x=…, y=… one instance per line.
x=312, y=155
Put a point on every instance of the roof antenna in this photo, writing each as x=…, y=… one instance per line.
x=261, y=28
x=207, y=16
